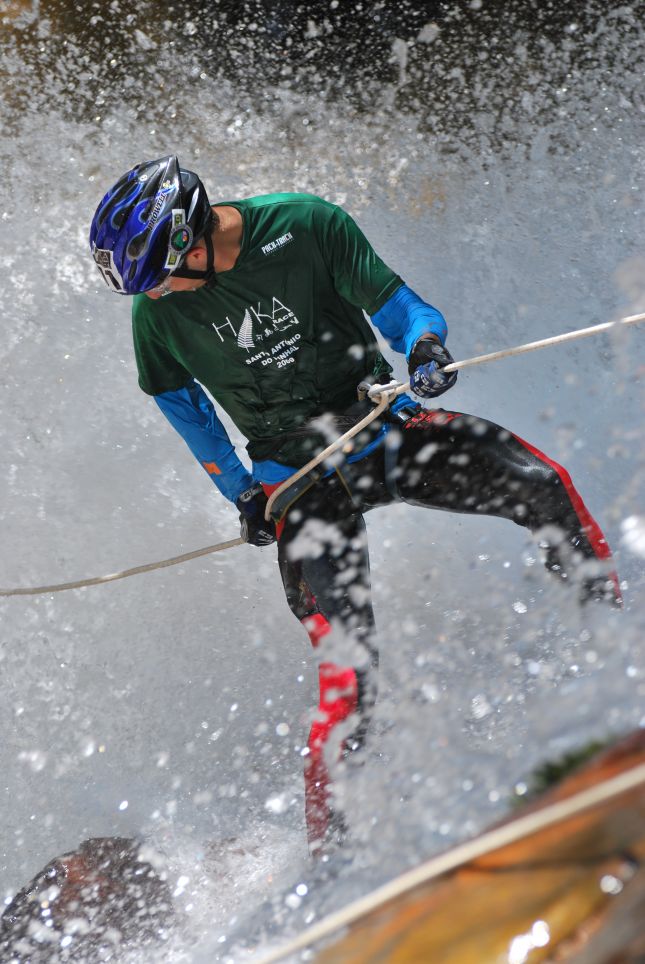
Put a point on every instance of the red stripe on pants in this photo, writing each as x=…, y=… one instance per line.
x=590, y=527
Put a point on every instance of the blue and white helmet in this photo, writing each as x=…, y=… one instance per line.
x=146, y=224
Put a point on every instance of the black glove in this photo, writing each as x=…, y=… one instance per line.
x=427, y=360
x=254, y=528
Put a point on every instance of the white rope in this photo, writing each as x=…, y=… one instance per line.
x=463, y=854
x=112, y=577
x=386, y=393
x=544, y=343
x=382, y=395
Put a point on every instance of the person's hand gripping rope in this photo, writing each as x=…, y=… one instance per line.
x=427, y=361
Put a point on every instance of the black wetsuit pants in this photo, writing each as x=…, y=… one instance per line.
x=441, y=460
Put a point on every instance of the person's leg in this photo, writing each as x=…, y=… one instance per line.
x=448, y=460
x=324, y=564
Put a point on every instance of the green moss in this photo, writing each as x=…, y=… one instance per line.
x=552, y=772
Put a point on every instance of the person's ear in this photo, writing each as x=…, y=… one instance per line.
x=196, y=258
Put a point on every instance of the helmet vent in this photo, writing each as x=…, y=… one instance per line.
x=119, y=218
x=138, y=245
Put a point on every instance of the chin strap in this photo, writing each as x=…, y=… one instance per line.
x=209, y=276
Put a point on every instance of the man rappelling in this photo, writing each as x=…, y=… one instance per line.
x=262, y=303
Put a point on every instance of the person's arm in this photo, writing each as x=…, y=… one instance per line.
x=419, y=331
x=405, y=318
x=192, y=414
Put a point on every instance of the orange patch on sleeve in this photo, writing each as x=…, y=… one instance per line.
x=211, y=468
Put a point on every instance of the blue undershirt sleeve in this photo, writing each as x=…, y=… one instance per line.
x=405, y=317
x=192, y=414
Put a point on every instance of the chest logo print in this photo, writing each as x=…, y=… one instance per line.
x=258, y=325
x=259, y=331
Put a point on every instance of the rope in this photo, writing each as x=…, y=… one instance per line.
x=382, y=395
x=463, y=854
x=544, y=343
x=386, y=393
x=112, y=577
